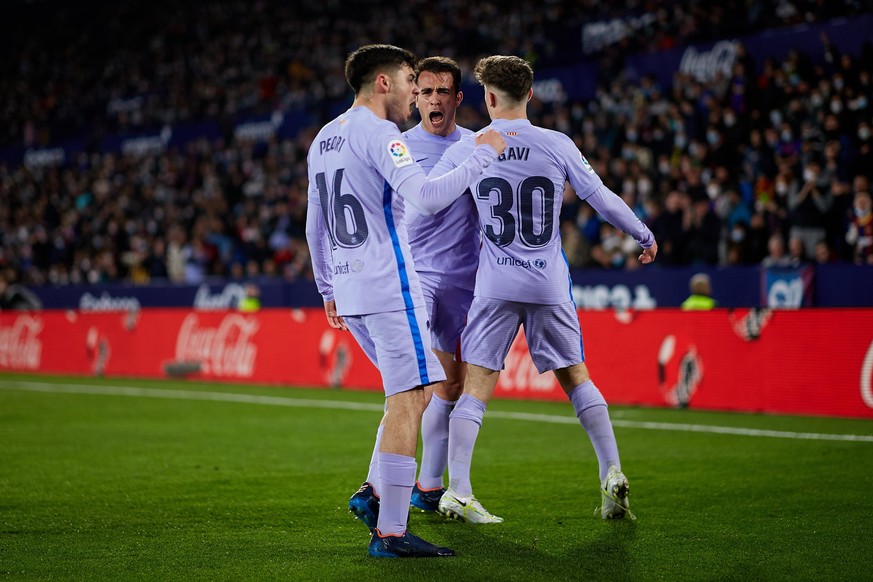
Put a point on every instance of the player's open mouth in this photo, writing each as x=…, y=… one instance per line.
x=436, y=117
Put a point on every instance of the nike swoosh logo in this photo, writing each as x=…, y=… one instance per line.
x=461, y=503
x=419, y=161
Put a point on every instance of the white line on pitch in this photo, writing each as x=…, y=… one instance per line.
x=342, y=405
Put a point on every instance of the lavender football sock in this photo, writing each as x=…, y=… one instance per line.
x=373, y=472
x=464, y=424
x=592, y=412
x=398, y=477
x=435, y=442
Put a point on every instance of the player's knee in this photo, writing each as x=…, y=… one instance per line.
x=586, y=396
x=572, y=376
x=468, y=408
x=451, y=389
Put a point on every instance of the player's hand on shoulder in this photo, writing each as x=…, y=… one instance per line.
x=648, y=255
x=492, y=138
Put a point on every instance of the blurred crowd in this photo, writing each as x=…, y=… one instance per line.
x=770, y=165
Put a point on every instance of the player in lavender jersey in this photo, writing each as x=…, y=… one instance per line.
x=523, y=278
x=361, y=175
x=445, y=248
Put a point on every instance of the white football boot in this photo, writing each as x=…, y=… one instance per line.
x=465, y=508
x=614, y=491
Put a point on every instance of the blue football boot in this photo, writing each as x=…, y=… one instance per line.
x=365, y=505
x=426, y=499
x=405, y=546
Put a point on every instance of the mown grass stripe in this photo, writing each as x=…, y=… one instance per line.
x=344, y=405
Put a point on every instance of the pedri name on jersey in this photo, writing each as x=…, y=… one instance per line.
x=331, y=144
x=514, y=153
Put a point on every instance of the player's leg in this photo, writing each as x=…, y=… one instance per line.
x=593, y=414
x=435, y=434
x=465, y=423
x=458, y=502
x=364, y=503
x=448, y=307
x=485, y=342
x=405, y=366
x=397, y=459
x=555, y=342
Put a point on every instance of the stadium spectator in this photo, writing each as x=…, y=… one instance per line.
x=823, y=253
x=797, y=251
x=808, y=208
x=88, y=220
x=776, y=255
x=702, y=232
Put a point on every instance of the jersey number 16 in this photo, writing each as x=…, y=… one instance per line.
x=348, y=228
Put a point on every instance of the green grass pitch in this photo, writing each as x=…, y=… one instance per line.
x=121, y=479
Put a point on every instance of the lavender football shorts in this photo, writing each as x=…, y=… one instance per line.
x=447, y=307
x=553, y=335
x=398, y=343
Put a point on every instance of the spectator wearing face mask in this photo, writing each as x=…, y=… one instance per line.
x=808, y=208
x=862, y=150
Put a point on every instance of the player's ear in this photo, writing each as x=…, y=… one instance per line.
x=530, y=94
x=382, y=83
x=458, y=98
x=491, y=99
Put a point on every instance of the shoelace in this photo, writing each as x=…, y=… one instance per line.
x=617, y=502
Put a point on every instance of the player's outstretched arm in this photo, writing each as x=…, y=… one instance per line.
x=617, y=213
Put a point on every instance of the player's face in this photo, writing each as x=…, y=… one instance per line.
x=437, y=102
x=401, y=98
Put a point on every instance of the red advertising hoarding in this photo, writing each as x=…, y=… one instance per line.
x=811, y=361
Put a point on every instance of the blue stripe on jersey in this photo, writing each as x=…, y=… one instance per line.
x=404, y=285
x=569, y=279
x=570, y=282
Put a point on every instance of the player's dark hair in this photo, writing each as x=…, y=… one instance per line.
x=438, y=65
x=511, y=75
x=364, y=64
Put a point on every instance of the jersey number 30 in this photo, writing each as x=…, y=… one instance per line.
x=348, y=228
x=534, y=193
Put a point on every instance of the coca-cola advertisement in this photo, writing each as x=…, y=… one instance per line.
x=753, y=360
x=223, y=351
x=20, y=343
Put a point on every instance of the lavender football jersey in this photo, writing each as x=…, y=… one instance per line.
x=445, y=245
x=358, y=164
x=519, y=202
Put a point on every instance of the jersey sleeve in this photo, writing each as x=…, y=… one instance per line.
x=319, y=244
x=450, y=178
x=454, y=156
x=391, y=156
x=611, y=207
x=580, y=173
